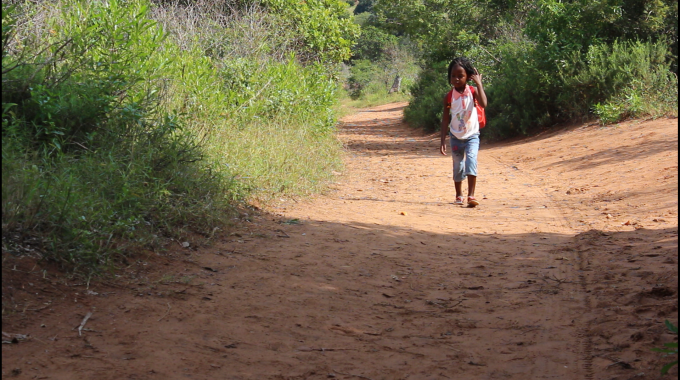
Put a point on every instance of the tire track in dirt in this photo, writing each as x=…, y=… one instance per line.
x=585, y=342
x=585, y=174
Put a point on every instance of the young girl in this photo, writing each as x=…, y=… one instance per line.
x=461, y=124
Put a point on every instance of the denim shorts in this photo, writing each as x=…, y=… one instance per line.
x=464, y=153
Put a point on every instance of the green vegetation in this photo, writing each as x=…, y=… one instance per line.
x=671, y=349
x=543, y=62
x=126, y=122
x=383, y=65
x=323, y=26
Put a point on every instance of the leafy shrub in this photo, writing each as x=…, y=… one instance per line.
x=91, y=162
x=521, y=97
x=255, y=110
x=625, y=79
x=364, y=6
x=363, y=72
x=374, y=44
x=613, y=82
x=548, y=61
x=126, y=124
x=425, y=110
x=378, y=59
x=671, y=348
x=323, y=26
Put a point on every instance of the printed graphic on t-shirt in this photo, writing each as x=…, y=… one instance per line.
x=464, y=121
x=461, y=123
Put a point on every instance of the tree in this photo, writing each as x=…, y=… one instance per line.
x=373, y=44
x=364, y=6
x=324, y=26
x=446, y=27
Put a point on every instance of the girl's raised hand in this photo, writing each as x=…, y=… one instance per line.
x=477, y=77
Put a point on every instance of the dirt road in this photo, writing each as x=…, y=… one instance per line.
x=567, y=270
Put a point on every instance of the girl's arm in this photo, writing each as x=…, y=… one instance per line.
x=479, y=94
x=446, y=120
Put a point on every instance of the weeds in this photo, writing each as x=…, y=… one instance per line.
x=127, y=123
x=671, y=348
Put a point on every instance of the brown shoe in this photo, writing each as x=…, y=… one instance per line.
x=472, y=202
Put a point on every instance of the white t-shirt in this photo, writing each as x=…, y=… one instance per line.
x=464, y=122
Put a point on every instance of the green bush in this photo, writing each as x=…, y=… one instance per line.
x=523, y=92
x=378, y=58
x=324, y=27
x=364, y=6
x=126, y=124
x=548, y=61
x=425, y=110
x=374, y=44
x=610, y=81
x=93, y=165
x=621, y=80
x=363, y=73
x=256, y=108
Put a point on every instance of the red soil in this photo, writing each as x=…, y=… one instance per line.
x=567, y=270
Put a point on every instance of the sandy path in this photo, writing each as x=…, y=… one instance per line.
x=467, y=287
x=563, y=272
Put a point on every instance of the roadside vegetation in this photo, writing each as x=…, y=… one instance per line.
x=543, y=62
x=128, y=123
x=670, y=349
x=383, y=65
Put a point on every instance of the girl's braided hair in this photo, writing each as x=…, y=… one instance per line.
x=464, y=63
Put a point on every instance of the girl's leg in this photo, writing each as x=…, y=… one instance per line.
x=459, y=188
x=472, y=183
x=458, y=155
x=471, y=151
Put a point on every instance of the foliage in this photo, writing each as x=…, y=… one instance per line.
x=126, y=124
x=425, y=110
x=364, y=6
x=671, y=348
x=324, y=26
x=446, y=27
x=378, y=59
x=535, y=56
x=611, y=68
x=520, y=95
x=374, y=44
x=90, y=79
x=624, y=79
x=90, y=161
x=363, y=72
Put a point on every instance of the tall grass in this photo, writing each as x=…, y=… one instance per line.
x=128, y=123
x=265, y=120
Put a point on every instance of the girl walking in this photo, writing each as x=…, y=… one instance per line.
x=460, y=122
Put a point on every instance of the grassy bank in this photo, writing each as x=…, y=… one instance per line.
x=129, y=123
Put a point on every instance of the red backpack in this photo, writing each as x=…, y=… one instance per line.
x=481, y=115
